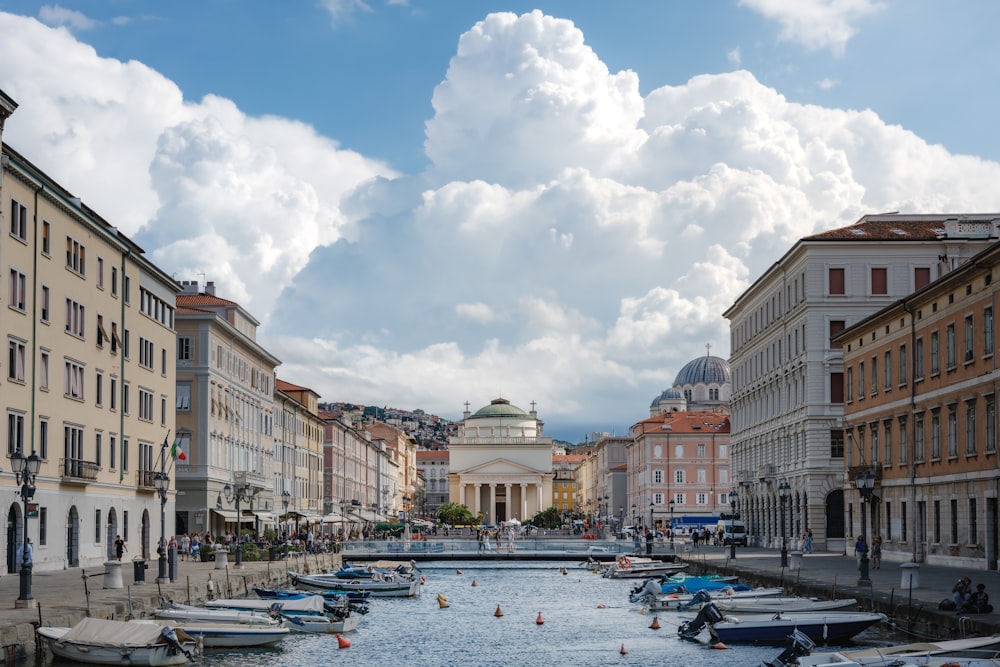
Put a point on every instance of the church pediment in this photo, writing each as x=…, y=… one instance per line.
x=500, y=467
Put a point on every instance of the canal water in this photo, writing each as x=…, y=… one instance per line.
x=587, y=620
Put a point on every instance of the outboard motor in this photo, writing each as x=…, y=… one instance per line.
x=650, y=587
x=708, y=615
x=170, y=637
x=798, y=645
x=698, y=598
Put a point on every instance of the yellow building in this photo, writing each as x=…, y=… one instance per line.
x=89, y=326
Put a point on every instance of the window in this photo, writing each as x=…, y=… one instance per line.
x=902, y=520
x=125, y=454
x=18, y=221
x=887, y=369
x=918, y=359
x=18, y=290
x=988, y=330
x=76, y=256
x=100, y=273
x=15, y=432
x=902, y=364
x=991, y=424
x=112, y=452
x=98, y=447
x=114, y=281
x=97, y=526
x=701, y=451
x=116, y=342
x=184, y=397
x=903, y=454
x=887, y=451
x=935, y=364
x=43, y=526
x=125, y=525
x=918, y=439
x=145, y=405
x=125, y=341
x=861, y=380
x=163, y=410
x=125, y=397
x=970, y=427
x=969, y=345
x=836, y=387
x=921, y=276
x=875, y=446
x=163, y=361
x=74, y=379
x=147, y=353
x=836, y=326
x=43, y=437
x=880, y=283
x=46, y=238
x=701, y=498
x=126, y=287
x=952, y=431
x=936, y=433
x=835, y=278
x=837, y=443
x=973, y=523
x=657, y=477
x=850, y=384
x=75, y=318
x=950, y=345
x=113, y=393
x=73, y=444
x=45, y=304
x=679, y=476
x=99, y=388
x=953, y=511
x=936, y=521
x=43, y=370
x=874, y=375
x=888, y=520
x=15, y=359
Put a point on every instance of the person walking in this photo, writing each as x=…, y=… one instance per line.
x=649, y=542
x=185, y=546
x=25, y=558
x=860, y=549
x=877, y=552
x=807, y=546
x=120, y=547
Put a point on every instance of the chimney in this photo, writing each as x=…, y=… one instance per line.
x=189, y=287
x=210, y=288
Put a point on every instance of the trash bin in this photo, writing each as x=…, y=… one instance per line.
x=221, y=557
x=113, y=574
x=910, y=577
x=796, y=561
x=139, y=570
x=272, y=552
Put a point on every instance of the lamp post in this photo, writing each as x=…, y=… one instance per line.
x=866, y=483
x=286, y=498
x=162, y=482
x=25, y=470
x=651, y=506
x=635, y=518
x=784, y=491
x=621, y=518
x=237, y=495
x=671, y=505
x=732, y=523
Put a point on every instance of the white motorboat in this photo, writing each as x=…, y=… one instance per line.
x=231, y=635
x=636, y=567
x=969, y=652
x=688, y=601
x=98, y=641
x=397, y=587
x=307, y=614
x=819, y=626
x=181, y=614
x=781, y=603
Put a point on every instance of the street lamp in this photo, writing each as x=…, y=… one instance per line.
x=621, y=518
x=237, y=495
x=651, y=506
x=732, y=523
x=784, y=491
x=286, y=498
x=865, y=482
x=671, y=505
x=162, y=482
x=635, y=517
x=25, y=470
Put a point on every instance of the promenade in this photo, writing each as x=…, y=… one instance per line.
x=62, y=600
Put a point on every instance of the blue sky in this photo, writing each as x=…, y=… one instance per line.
x=433, y=202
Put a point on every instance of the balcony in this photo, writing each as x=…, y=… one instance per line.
x=145, y=480
x=768, y=471
x=78, y=471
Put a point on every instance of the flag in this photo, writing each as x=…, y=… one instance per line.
x=176, y=451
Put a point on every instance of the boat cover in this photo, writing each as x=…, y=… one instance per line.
x=101, y=632
x=310, y=604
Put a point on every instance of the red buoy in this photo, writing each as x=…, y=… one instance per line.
x=342, y=643
x=423, y=580
x=655, y=625
x=623, y=651
x=600, y=606
x=539, y=620
x=498, y=613
x=720, y=646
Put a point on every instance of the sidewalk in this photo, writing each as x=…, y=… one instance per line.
x=834, y=575
x=62, y=601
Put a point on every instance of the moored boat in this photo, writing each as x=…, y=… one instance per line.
x=394, y=588
x=307, y=614
x=820, y=627
x=98, y=641
x=181, y=614
x=968, y=652
x=636, y=567
x=231, y=635
x=687, y=601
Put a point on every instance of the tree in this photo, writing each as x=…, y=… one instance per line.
x=456, y=515
x=548, y=518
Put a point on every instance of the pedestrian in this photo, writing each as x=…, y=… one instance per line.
x=860, y=549
x=120, y=547
x=877, y=552
x=479, y=538
x=961, y=592
x=636, y=544
x=649, y=542
x=978, y=602
x=185, y=546
x=695, y=536
x=25, y=556
x=808, y=545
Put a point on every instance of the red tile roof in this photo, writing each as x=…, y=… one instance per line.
x=203, y=300
x=894, y=227
x=288, y=386
x=686, y=422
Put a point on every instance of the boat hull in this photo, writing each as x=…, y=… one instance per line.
x=234, y=636
x=94, y=654
x=821, y=628
x=377, y=589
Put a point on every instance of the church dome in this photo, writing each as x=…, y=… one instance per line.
x=704, y=370
x=499, y=407
x=671, y=394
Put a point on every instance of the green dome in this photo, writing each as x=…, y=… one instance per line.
x=499, y=407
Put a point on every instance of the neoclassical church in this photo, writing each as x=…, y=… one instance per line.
x=703, y=384
x=500, y=463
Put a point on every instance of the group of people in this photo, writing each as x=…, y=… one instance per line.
x=968, y=601
x=499, y=535
x=861, y=550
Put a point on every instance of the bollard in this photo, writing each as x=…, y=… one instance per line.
x=910, y=576
x=172, y=564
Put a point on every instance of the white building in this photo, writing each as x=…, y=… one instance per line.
x=787, y=404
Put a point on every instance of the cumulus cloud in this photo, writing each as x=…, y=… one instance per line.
x=572, y=243
x=343, y=11
x=54, y=15
x=816, y=24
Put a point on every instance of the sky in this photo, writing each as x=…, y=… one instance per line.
x=431, y=202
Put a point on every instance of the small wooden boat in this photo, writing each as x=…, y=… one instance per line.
x=379, y=589
x=820, y=627
x=98, y=641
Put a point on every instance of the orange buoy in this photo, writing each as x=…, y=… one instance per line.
x=342, y=643
x=719, y=646
x=655, y=625
x=474, y=583
x=623, y=651
x=539, y=620
x=498, y=613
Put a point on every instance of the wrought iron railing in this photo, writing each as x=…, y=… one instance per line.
x=79, y=470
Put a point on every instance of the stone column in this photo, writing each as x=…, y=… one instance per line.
x=493, y=502
x=510, y=499
x=524, y=501
x=538, y=498
x=478, y=507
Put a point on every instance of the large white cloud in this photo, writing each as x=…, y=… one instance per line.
x=816, y=24
x=573, y=242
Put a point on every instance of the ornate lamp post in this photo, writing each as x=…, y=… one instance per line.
x=635, y=517
x=25, y=470
x=671, y=505
x=162, y=482
x=784, y=492
x=866, y=483
x=651, y=506
x=237, y=495
x=286, y=498
x=732, y=523
x=621, y=518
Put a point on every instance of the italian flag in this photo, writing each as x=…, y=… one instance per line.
x=178, y=453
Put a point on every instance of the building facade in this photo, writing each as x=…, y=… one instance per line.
x=920, y=414
x=88, y=379
x=297, y=476
x=787, y=404
x=434, y=464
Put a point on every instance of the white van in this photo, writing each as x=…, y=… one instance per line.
x=733, y=531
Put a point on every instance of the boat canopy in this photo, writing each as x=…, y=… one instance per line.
x=310, y=604
x=101, y=632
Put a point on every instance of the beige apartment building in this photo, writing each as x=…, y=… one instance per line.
x=88, y=380
x=225, y=393
x=920, y=414
x=298, y=453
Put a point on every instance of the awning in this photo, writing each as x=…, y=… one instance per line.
x=264, y=516
x=230, y=516
x=366, y=515
x=333, y=517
